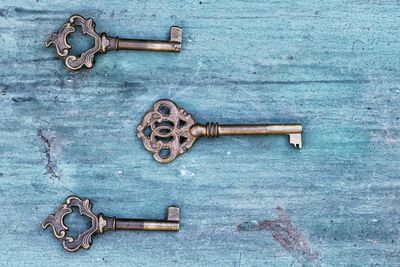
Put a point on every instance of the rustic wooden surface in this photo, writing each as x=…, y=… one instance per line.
x=246, y=201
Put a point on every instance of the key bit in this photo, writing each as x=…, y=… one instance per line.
x=101, y=223
x=104, y=43
x=167, y=131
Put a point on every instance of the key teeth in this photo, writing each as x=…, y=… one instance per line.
x=296, y=145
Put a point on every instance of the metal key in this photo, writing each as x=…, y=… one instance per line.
x=104, y=43
x=168, y=131
x=101, y=223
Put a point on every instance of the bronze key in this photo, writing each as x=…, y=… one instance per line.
x=101, y=223
x=104, y=43
x=168, y=131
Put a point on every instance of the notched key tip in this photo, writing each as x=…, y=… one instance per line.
x=295, y=140
x=297, y=145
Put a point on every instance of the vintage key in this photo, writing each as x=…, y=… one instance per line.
x=101, y=223
x=104, y=43
x=168, y=131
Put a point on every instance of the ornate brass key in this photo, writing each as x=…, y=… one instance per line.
x=104, y=43
x=168, y=131
x=101, y=223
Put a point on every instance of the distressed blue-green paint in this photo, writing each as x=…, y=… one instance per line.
x=331, y=65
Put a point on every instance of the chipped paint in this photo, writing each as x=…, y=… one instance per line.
x=289, y=237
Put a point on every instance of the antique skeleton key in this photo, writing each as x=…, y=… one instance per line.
x=101, y=223
x=104, y=43
x=168, y=131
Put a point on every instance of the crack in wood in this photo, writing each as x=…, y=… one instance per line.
x=51, y=164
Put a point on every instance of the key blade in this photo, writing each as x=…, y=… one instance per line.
x=173, y=214
x=175, y=34
x=295, y=140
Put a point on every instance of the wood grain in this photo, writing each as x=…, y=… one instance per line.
x=331, y=65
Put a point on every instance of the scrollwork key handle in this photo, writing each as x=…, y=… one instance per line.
x=167, y=131
x=101, y=223
x=104, y=43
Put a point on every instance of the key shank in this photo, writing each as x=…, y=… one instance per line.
x=215, y=130
x=146, y=225
x=114, y=224
x=174, y=44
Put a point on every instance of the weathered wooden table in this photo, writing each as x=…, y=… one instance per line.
x=246, y=201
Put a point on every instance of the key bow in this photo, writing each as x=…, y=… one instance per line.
x=164, y=131
x=60, y=230
x=60, y=41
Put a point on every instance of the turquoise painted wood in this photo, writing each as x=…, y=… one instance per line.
x=246, y=201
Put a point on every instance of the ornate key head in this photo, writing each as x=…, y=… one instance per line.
x=60, y=41
x=165, y=131
x=60, y=230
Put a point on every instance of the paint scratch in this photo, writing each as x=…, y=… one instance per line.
x=290, y=239
x=52, y=149
x=21, y=99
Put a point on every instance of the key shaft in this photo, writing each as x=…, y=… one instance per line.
x=148, y=45
x=145, y=225
x=215, y=129
x=174, y=44
x=115, y=224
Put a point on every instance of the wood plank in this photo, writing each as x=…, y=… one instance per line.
x=331, y=65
